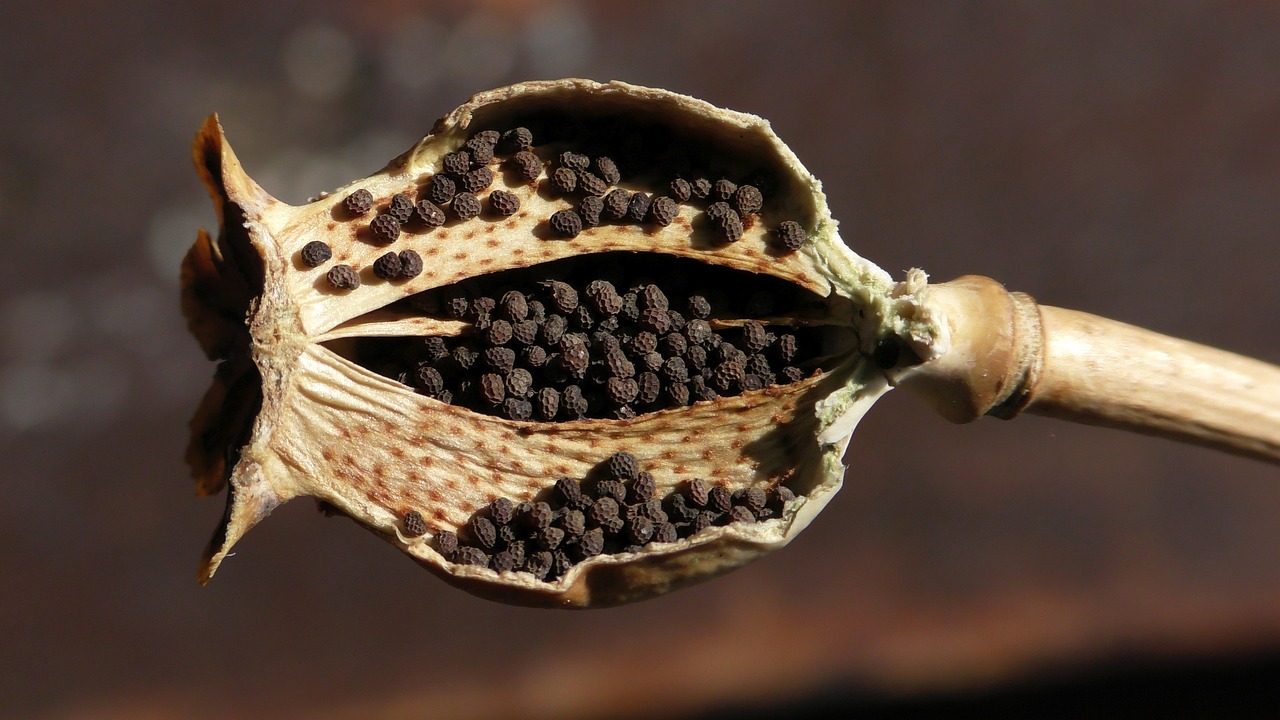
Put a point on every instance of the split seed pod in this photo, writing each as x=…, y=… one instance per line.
x=293, y=412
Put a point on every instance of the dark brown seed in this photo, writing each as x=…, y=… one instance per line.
x=564, y=180
x=698, y=332
x=554, y=328
x=527, y=165
x=316, y=253
x=504, y=561
x=591, y=183
x=465, y=206
x=539, y=564
x=701, y=188
x=699, y=492
x=513, y=306
x=785, y=349
x=613, y=525
x=621, y=391
x=643, y=343
x=503, y=202
x=589, y=209
x=573, y=404
x=457, y=163
x=731, y=227
x=678, y=395
x=612, y=488
x=517, y=409
x=699, y=307
x=566, y=223
x=607, y=170
x=499, y=333
x=502, y=510
x=643, y=488
x=681, y=190
x=664, y=532
x=618, y=365
x=651, y=296
x=754, y=337
x=465, y=357
x=663, y=210
x=471, y=556
x=442, y=190
x=560, y=563
x=414, y=525
x=783, y=495
x=717, y=210
x=719, y=499
x=483, y=531
x=571, y=492
x=638, y=207
x=429, y=213
x=652, y=361
x=549, y=538
x=481, y=307
x=343, y=277
x=591, y=543
x=792, y=374
x=429, y=380
x=385, y=229
x=758, y=365
x=673, y=345
x=538, y=516
x=400, y=207
x=742, y=515
x=546, y=403
x=655, y=320
x=754, y=498
x=477, y=180
x=700, y=391
x=623, y=412
x=534, y=356
x=675, y=371
x=410, y=264
x=616, y=204
x=358, y=202
x=607, y=302
x=748, y=200
x=573, y=522
x=446, y=543
x=515, y=140
x=433, y=348
x=501, y=359
x=387, y=267
x=486, y=137
x=640, y=530
x=723, y=189
x=563, y=295
x=603, y=510
x=525, y=332
x=481, y=153
x=574, y=161
x=650, y=387
x=493, y=388
x=680, y=508
x=623, y=467
x=519, y=381
x=790, y=235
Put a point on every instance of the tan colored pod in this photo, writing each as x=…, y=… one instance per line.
x=292, y=415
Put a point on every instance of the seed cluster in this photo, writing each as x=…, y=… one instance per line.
x=619, y=512
x=561, y=350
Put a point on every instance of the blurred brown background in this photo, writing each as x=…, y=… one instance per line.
x=1119, y=158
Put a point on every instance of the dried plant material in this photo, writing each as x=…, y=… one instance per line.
x=709, y=407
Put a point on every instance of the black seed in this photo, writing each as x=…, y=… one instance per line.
x=546, y=403
x=429, y=380
x=753, y=337
x=591, y=543
x=442, y=189
x=414, y=525
x=731, y=227
x=748, y=200
x=663, y=210
x=566, y=223
x=400, y=207
x=573, y=522
x=607, y=170
x=387, y=267
x=358, y=202
x=477, y=180
x=701, y=188
x=501, y=511
x=675, y=371
x=571, y=492
x=655, y=320
x=465, y=206
x=790, y=235
x=410, y=264
x=343, y=277
x=457, y=163
x=638, y=207
x=589, y=209
x=539, y=564
x=574, y=161
x=515, y=140
x=723, y=189
x=792, y=374
x=700, y=391
x=681, y=190
x=564, y=180
x=481, y=153
x=603, y=510
x=677, y=394
x=591, y=184
x=616, y=204
x=316, y=253
x=385, y=229
x=446, y=543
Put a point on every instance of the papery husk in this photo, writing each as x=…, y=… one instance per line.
x=373, y=449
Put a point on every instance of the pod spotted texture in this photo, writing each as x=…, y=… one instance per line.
x=297, y=410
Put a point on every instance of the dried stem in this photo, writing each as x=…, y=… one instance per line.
x=1008, y=354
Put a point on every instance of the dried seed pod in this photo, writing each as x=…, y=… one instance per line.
x=358, y=202
x=316, y=253
x=252, y=306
